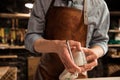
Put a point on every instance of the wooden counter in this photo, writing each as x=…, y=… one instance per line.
x=105, y=78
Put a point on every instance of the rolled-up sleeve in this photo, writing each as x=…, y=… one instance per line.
x=100, y=32
x=36, y=25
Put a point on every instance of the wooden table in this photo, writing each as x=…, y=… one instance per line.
x=105, y=78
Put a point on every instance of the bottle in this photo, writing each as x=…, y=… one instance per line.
x=13, y=33
x=6, y=37
x=13, y=36
x=2, y=35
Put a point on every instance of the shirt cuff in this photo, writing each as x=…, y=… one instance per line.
x=103, y=46
x=29, y=42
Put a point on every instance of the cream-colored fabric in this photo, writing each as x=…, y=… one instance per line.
x=80, y=60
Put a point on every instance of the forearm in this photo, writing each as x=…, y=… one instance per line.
x=45, y=46
x=98, y=50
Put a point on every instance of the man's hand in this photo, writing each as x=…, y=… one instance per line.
x=92, y=54
x=63, y=53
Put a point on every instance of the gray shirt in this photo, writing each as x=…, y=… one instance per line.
x=98, y=22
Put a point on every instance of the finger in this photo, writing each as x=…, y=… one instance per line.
x=89, y=54
x=86, y=51
x=69, y=63
x=73, y=70
x=83, y=69
x=91, y=57
x=91, y=65
x=75, y=44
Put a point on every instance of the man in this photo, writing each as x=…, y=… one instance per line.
x=56, y=56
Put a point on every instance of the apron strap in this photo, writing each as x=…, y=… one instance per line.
x=85, y=13
x=52, y=3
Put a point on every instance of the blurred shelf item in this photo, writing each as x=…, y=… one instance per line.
x=14, y=15
x=114, y=53
x=115, y=56
x=8, y=73
x=3, y=70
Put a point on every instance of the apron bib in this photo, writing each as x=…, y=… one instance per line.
x=62, y=23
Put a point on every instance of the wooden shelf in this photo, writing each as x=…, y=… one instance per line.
x=101, y=78
x=8, y=56
x=116, y=31
x=115, y=56
x=6, y=46
x=115, y=13
x=14, y=15
x=113, y=45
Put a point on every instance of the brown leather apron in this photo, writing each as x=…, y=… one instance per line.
x=62, y=23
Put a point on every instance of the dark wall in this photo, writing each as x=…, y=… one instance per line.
x=113, y=5
x=12, y=6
